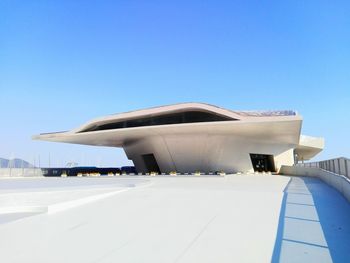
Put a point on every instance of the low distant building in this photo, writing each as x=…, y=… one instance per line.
x=192, y=137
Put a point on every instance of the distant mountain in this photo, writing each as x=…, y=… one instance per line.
x=14, y=163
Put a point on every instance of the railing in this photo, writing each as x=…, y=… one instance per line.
x=338, y=165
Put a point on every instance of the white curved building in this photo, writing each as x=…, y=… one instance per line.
x=191, y=137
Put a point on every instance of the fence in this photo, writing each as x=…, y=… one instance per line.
x=339, y=165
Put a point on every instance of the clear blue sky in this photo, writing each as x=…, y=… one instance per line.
x=65, y=62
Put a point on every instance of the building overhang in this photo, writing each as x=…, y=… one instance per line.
x=273, y=127
x=309, y=147
x=281, y=131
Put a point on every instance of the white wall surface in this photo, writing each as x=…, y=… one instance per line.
x=205, y=152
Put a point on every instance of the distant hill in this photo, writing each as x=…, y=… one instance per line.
x=14, y=163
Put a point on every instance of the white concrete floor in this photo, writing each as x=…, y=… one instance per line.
x=165, y=219
x=194, y=219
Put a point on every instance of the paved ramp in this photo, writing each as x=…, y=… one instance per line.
x=314, y=224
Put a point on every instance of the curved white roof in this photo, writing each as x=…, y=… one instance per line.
x=273, y=126
x=182, y=107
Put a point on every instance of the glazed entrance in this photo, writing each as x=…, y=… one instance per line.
x=262, y=162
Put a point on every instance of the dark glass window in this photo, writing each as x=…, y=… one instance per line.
x=172, y=118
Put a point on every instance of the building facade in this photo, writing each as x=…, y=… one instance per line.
x=192, y=137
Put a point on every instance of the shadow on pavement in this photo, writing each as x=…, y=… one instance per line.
x=314, y=224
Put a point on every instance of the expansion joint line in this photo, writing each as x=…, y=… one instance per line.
x=171, y=157
x=195, y=239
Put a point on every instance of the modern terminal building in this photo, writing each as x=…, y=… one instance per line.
x=191, y=137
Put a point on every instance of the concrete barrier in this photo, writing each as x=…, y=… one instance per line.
x=20, y=172
x=339, y=182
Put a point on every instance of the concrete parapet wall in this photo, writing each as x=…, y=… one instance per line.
x=339, y=182
x=20, y=172
x=339, y=165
